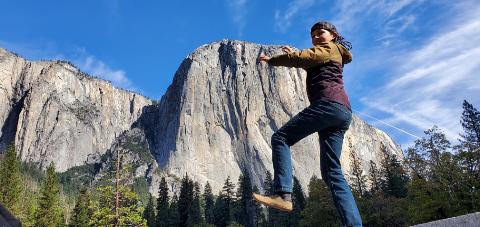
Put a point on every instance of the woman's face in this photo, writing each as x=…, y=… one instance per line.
x=321, y=35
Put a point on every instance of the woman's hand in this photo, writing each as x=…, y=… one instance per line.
x=264, y=58
x=287, y=49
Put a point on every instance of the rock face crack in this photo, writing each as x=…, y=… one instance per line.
x=228, y=64
x=132, y=104
x=21, y=82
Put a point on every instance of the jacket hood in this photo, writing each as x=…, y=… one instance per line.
x=346, y=55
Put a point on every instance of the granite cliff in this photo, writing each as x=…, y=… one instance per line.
x=54, y=112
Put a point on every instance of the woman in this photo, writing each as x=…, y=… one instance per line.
x=329, y=114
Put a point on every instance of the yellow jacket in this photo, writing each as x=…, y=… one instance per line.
x=307, y=58
x=324, y=66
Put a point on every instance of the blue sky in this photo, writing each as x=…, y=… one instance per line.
x=414, y=62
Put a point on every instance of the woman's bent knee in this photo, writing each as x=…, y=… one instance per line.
x=277, y=138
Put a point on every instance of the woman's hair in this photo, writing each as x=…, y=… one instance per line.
x=331, y=28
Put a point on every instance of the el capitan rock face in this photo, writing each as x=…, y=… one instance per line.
x=214, y=121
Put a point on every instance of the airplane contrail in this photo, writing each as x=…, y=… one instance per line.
x=399, y=129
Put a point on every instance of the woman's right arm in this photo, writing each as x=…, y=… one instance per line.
x=302, y=59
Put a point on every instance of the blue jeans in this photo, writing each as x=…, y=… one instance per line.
x=331, y=120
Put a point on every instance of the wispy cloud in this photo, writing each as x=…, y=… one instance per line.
x=388, y=18
x=239, y=13
x=91, y=65
x=283, y=19
x=79, y=57
x=392, y=7
x=350, y=11
x=394, y=27
x=430, y=82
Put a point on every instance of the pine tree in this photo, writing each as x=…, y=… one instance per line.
x=268, y=183
x=224, y=204
x=394, y=177
x=118, y=204
x=374, y=178
x=471, y=127
x=219, y=213
x=162, y=204
x=423, y=205
x=417, y=164
x=383, y=210
x=384, y=204
x=320, y=210
x=238, y=213
x=28, y=202
x=260, y=219
x=185, y=201
x=469, y=157
x=149, y=213
x=195, y=216
x=268, y=187
x=209, y=204
x=245, y=213
x=106, y=207
x=228, y=192
x=274, y=216
x=82, y=211
x=430, y=148
x=299, y=204
x=359, y=180
x=173, y=216
x=450, y=185
x=446, y=180
x=10, y=181
x=431, y=194
x=49, y=212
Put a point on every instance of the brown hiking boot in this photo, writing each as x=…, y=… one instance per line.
x=275, y=201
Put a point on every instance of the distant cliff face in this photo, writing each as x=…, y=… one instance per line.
x=215, y=120
x=54, y=112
